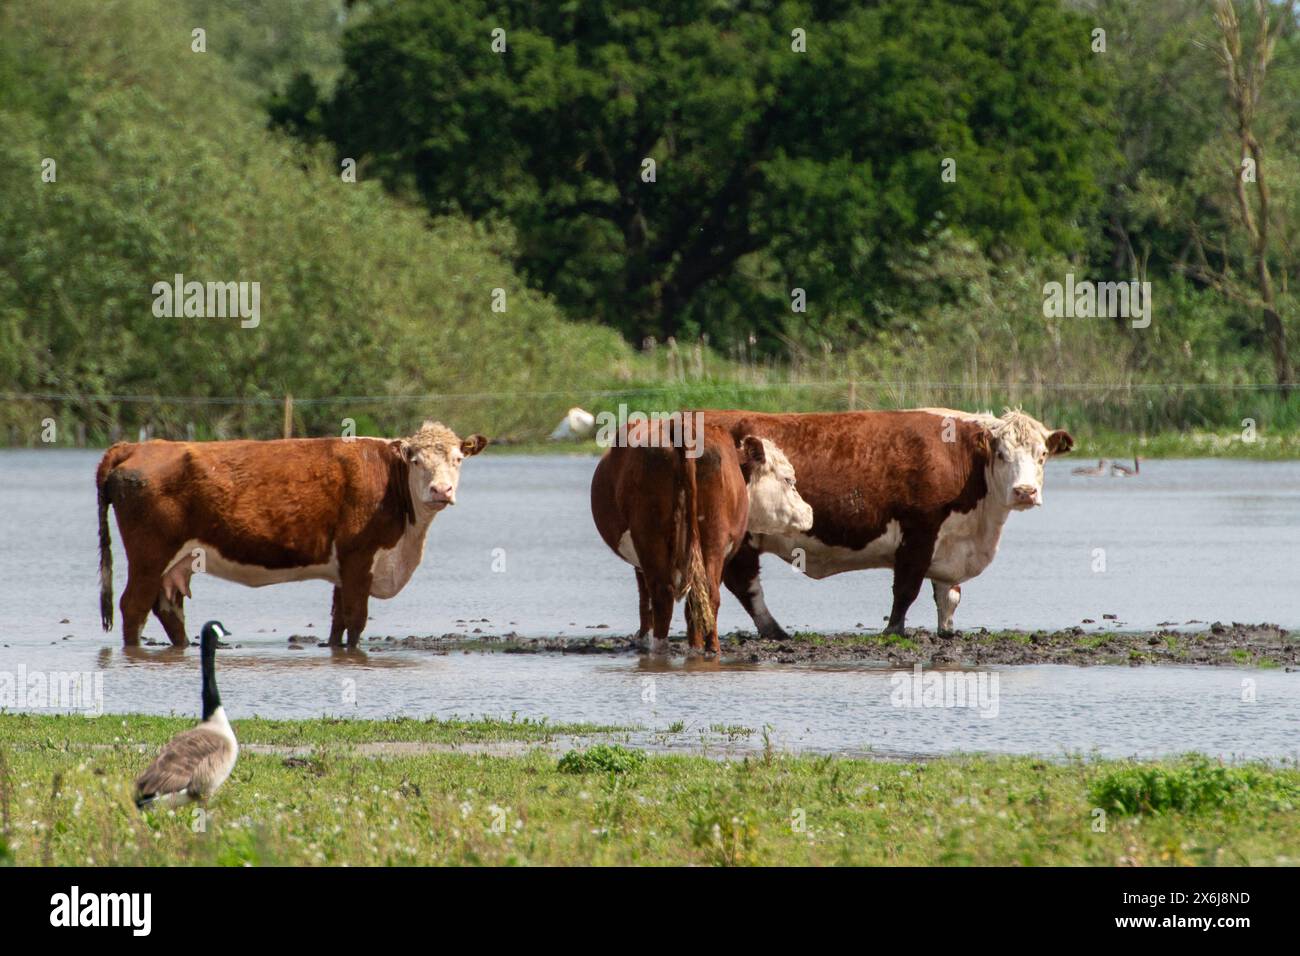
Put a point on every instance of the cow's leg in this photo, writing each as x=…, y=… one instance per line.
x=661, y=605
x=946, y=598
x=741, y=579
x=647, y=616
x=143, y=582
x=171, y=613
x=354, y=571
x=711, y=645
x=337, y=622
x=911, y=561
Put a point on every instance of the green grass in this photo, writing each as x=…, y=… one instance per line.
x=56, y=731
x=1015, y=637
x=1277, y=446
x=67, y=803
x=1094, y=641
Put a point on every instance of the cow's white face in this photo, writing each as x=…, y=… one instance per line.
x=434, y=455
x=1019, y=447
x=1018, y=473
x=775, y=506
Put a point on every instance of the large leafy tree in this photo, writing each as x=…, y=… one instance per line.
x=774, y=169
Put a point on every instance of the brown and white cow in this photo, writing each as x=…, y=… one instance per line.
x=925, y=492
x=677, y=507
x=350, y=511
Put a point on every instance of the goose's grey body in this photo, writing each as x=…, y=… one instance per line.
x=195, y=762
x=191, y=766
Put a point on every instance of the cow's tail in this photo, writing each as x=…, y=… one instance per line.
x=106, y=465
x=699, y=608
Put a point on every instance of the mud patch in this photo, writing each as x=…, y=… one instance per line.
x=1221, y=645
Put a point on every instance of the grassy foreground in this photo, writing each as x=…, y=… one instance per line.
x=65, y=798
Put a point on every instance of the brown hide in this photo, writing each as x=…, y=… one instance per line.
x=860, y=471
x=644, y=491
x=286, y=504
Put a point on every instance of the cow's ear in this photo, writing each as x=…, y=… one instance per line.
x=403, y=449
x=984, y=443
x=1059, y=442
x=473, y=445
x=751, y=448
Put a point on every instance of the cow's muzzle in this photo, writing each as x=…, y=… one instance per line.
x=1025, y=496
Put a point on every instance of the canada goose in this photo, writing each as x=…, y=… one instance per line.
x=1119, y=471
x=195, y=762
x=1099, y=470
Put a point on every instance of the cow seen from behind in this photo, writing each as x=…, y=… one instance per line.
x=677, y=505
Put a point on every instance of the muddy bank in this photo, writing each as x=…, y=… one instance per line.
x=1244, y=645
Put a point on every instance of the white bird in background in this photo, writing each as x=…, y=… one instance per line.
x=1119, y=471
x=195, y=762
x=577, y=423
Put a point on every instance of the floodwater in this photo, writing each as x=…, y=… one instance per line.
x=1186, y=540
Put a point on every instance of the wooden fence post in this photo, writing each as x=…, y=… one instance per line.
x=288, y=415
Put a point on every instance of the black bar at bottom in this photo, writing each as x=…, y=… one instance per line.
x=337, y=905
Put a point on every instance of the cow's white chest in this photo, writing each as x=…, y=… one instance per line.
x=393, y=567
x=967, y=544
x=207, y=559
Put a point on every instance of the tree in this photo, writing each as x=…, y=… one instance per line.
x=774, y=167
x=1244, y=71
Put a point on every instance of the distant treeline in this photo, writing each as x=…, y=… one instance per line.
x=847, y=205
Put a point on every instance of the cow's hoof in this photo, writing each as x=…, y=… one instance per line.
x=658, y=648
x=773, y=633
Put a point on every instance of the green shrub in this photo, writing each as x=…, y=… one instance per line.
x=1190, y=787
x=602, y=758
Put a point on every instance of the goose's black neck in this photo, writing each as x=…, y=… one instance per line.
x=208, y=652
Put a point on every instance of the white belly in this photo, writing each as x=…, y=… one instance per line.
x=253, y=575
x=965, y=547
x=822, y=560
